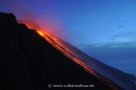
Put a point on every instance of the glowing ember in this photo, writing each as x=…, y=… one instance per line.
x=40, y=33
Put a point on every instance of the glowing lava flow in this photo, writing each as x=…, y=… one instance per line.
x=70, y=54
x=56, y=43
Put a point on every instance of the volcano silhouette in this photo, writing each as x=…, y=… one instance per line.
x=29, y=62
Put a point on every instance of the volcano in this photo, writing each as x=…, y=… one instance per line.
x=29, y=60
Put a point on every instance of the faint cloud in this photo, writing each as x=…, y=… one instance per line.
x=118, y=27
x=124, y=34
x=129, y=44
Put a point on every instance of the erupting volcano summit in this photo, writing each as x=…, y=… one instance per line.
x=33, y=60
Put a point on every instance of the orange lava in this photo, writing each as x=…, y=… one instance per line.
x=57, y=44
x=65, y=50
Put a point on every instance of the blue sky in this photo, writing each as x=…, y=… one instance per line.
x=104, y=29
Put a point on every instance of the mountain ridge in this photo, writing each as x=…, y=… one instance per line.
x=29, y=62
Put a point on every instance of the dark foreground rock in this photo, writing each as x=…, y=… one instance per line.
x=29, y=62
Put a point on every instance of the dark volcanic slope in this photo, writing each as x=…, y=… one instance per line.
x=29, y=62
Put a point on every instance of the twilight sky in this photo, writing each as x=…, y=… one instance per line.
x=104, y=29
